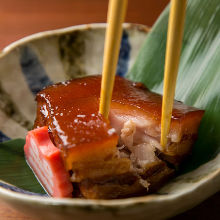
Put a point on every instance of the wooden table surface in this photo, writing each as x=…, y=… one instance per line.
x=19, y=18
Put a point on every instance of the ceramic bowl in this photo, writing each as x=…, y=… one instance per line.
x=28, y=65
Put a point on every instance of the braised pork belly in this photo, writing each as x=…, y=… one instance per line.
x=122, y=156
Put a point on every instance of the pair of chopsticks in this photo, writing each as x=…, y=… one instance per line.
x=116, y=15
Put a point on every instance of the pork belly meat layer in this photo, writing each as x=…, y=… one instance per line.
x=119, y=155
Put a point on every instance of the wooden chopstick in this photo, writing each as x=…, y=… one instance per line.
x=116, y=15
x=173, y=49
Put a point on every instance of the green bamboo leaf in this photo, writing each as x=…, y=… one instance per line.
x=198, y=82
x=14, y=169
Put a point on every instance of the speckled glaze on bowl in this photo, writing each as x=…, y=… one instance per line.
x=28, y=65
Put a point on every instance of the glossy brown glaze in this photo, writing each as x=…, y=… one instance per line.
x=125, y=92
x=70, y=110
x=76, y=122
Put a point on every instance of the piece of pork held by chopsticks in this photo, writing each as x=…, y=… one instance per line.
x=121, y=157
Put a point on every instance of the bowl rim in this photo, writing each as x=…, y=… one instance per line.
x=118, y=203
x=81, y=27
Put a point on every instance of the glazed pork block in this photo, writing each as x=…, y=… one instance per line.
x=122, y=156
